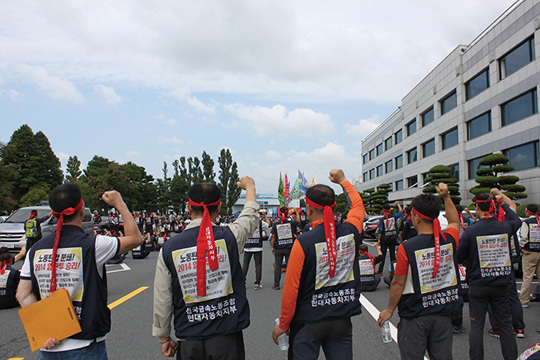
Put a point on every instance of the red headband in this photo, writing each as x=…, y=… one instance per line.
x=437, y=234
x=283, y=215
x=205, y=244
x=3, y=266
x=329, y=232
x=461, y=220
x=68, y=211
x=386, y=212
x=493, y=208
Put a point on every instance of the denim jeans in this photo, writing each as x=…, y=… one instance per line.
x=94, y=351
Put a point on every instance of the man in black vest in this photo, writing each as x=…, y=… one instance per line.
x=427, y=301
x=200, y=280
x=9, y=280
x=32, y=228
x=387, y=235
x=78, y=262
x=369, y=281
x=322, y=286
x=254, y=247
x=486, y=247
x=529, y=242
x=283, y=235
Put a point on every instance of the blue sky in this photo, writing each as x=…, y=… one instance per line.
x=285, y=85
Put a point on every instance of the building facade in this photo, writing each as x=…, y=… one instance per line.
x=481, y=99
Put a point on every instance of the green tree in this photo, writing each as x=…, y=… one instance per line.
x=442, y=173
x=228, y=176
x=49, y=165
x=367, y=198
x=73, y=167
x=491, y=175
x=380, y=197
x=342, y=206
x=96, y=167
x=208, y=168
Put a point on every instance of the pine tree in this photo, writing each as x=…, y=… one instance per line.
x=442, y=173
x=73, y=167
x=208, y=168
x=228, y=176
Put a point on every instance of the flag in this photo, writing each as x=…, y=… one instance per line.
x=303, y=183
x=295, y=190
x=314, y=181
x=286, y=194
x=280, y=192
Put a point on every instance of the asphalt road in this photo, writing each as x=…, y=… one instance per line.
x=130, y=337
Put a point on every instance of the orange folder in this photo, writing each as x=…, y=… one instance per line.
x=52, y=317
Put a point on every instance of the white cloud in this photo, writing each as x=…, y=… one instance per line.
x=170, y=140
x=184, y=96
x=298, y=122
x=133, y=153
x=55, y=87
x=63, y=156
x=363, y=127
x=15, y=95
x=108, y=94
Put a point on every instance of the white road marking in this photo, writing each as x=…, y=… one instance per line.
x=122, y=265
x=374, y=312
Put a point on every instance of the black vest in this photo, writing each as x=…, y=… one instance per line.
x=389, y=234
x=534, y=235
x=321, y=298
x=77, y=272
x=489, y=265
x=225, y=309
x=431, y=296
x=367, y=270
x=255, y=239
x=284, y=234
x=8, y=287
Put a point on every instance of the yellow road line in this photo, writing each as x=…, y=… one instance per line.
x=16, y=359
x=127, y=297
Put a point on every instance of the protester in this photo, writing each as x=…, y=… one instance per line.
x=322, y=286
x=32, y=228
x=529, y=242
x=199, y=279
x=9, y=280
x=86, y=281
x=254, y=248
x=387, y=235
x=283, y=235
x=428, y=301
x=367, y=262
x=487, y=249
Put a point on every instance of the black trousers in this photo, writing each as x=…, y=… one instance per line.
x=391, y=245
x=227, y=347
x=279, y=254
x=257, y=255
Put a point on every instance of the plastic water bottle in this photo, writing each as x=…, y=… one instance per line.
x=283, y=339
x=385, y=332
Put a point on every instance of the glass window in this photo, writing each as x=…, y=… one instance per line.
x=477, y=84
x=399, y=162
x=424, y=176
x=366, y=177
x=411, y=156
x=449, y=139
x=379, y=170
x=428, y=148
x=474, y=164
x=388, y=143
x=371, y=154
x=379, y=149
x=517, y=58
x=398, y=136
x=519, y=108
x=388, y=166
x=478, y=126
x=449, y=102
x=411, y=128
x=428, y=117
x=399, y=185
x=524, y=156
x=365, y=159
x=371, y=174
x=412, y=181
x=454, y=170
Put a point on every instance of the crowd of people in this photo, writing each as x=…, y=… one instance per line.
x=203, y=260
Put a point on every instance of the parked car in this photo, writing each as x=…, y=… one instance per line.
x=12, y=234
x=370, y=226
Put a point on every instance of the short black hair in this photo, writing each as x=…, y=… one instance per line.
x=428, y=205
x=408, y=209
x=484, y=206
x=363, y=247
x=321, y=194
x=386, y=207
x=532, y=208
x=206, y=193
x=65, y=196
x=459, y=208
x=284, y=210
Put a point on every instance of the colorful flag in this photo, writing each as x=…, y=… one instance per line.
x=295, y=190
x=280, y=192
x=303, y=183
x=314, y=181
x=286, y=194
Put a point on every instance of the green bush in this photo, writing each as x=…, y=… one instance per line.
x=508, y=179
x=503, y=168
x=484, y=171
x=494, y=159
x=514, y=188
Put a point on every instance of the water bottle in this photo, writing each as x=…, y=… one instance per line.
x=386, y=333
x=283, y=339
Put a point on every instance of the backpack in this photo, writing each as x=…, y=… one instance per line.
x=31, y=228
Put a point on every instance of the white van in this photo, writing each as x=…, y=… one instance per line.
x=12, y=233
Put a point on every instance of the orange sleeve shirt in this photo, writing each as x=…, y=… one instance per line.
x=402, y=262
